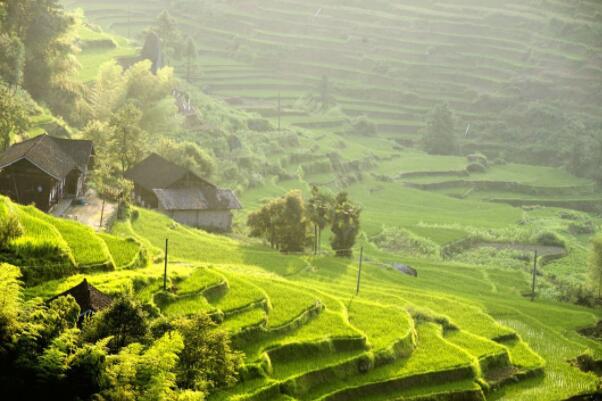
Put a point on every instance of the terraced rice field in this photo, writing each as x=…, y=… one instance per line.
x=307, y=336
x=388, y=60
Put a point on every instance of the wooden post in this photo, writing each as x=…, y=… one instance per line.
x=534, y=276
x=165, y=270
x=102, y=214
x=359, y=271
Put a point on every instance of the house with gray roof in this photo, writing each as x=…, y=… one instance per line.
x=45, y=170
x=182, y=195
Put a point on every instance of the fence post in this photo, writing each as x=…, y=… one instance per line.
x=534, y=275
x=359, y=271
x=102, y=214
x=165, y=270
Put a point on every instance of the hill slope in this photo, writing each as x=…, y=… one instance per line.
x=307, y=336
x=509, y=70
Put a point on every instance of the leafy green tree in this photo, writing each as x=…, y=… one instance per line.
x=125, y=320
x=326, y=98
x=595, y=264
x=166, y=29
x=10, y=305
x=139, y=374
x=12, y=60
x=439, y=137
x=127, y=140
x=319, y=208
x=50, y=68
x=13, y=117
x=282, y=222
x=187, y=154
x=345, y=225
x=191, y=54
x=207, y=360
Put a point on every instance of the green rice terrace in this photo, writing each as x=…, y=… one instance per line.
x=501, y=66
x=458, y=331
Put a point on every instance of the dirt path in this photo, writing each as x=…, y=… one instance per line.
x=90, y=212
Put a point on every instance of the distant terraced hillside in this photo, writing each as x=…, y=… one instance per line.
x=504, y=67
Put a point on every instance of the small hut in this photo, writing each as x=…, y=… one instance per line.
x=89, y=298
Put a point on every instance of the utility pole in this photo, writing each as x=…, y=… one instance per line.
x=359, y=271
x=102, y=214
x=165, y=271
x=315, y=239
x=534, y=276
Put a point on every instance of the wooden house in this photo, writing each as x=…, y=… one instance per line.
x=45, y=170
x=182, y=195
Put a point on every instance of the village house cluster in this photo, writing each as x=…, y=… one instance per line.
x=47, y=172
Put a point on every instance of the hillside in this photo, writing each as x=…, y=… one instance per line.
x=513, y=73
x=456, y=330
x=51, y=247
x=465, y=328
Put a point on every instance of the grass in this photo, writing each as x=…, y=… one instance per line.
x=124, y=251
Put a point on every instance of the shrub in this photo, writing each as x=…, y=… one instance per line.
x=478, y=158
x=259, y=124
x=403, y=241
x=549, y=238
x=363, y=126
x=10, y=229
x=476, y=168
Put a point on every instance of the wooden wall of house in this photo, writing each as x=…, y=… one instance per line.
x=26, y=184
x=145, y=198
x=210, y=220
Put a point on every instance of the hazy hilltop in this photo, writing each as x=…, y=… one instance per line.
x=523, y=78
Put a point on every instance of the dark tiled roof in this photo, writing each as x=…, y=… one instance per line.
x=156, y=172
x=88, y=297
x=197, y=199
x=55, y=156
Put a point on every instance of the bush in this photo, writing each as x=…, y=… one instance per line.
x=259, y=124
x=363, y=126
x=478, y=158
x=476, y=168
x=403, y=241
x=10, y=229
x=548, y=238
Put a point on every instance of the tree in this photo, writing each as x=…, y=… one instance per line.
x=326, y=99
x=345, y=225
x=49, y=71
x=191, y=54
x=595, y=264
x=207, y=360
x=282, y=222
x=319, y=207
x=125, y=320
x=13, y=117
x=127, y=138
x=139, y=374
x=439, y=137
x=12, y=60
x=168, y=33
x=187, y=154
